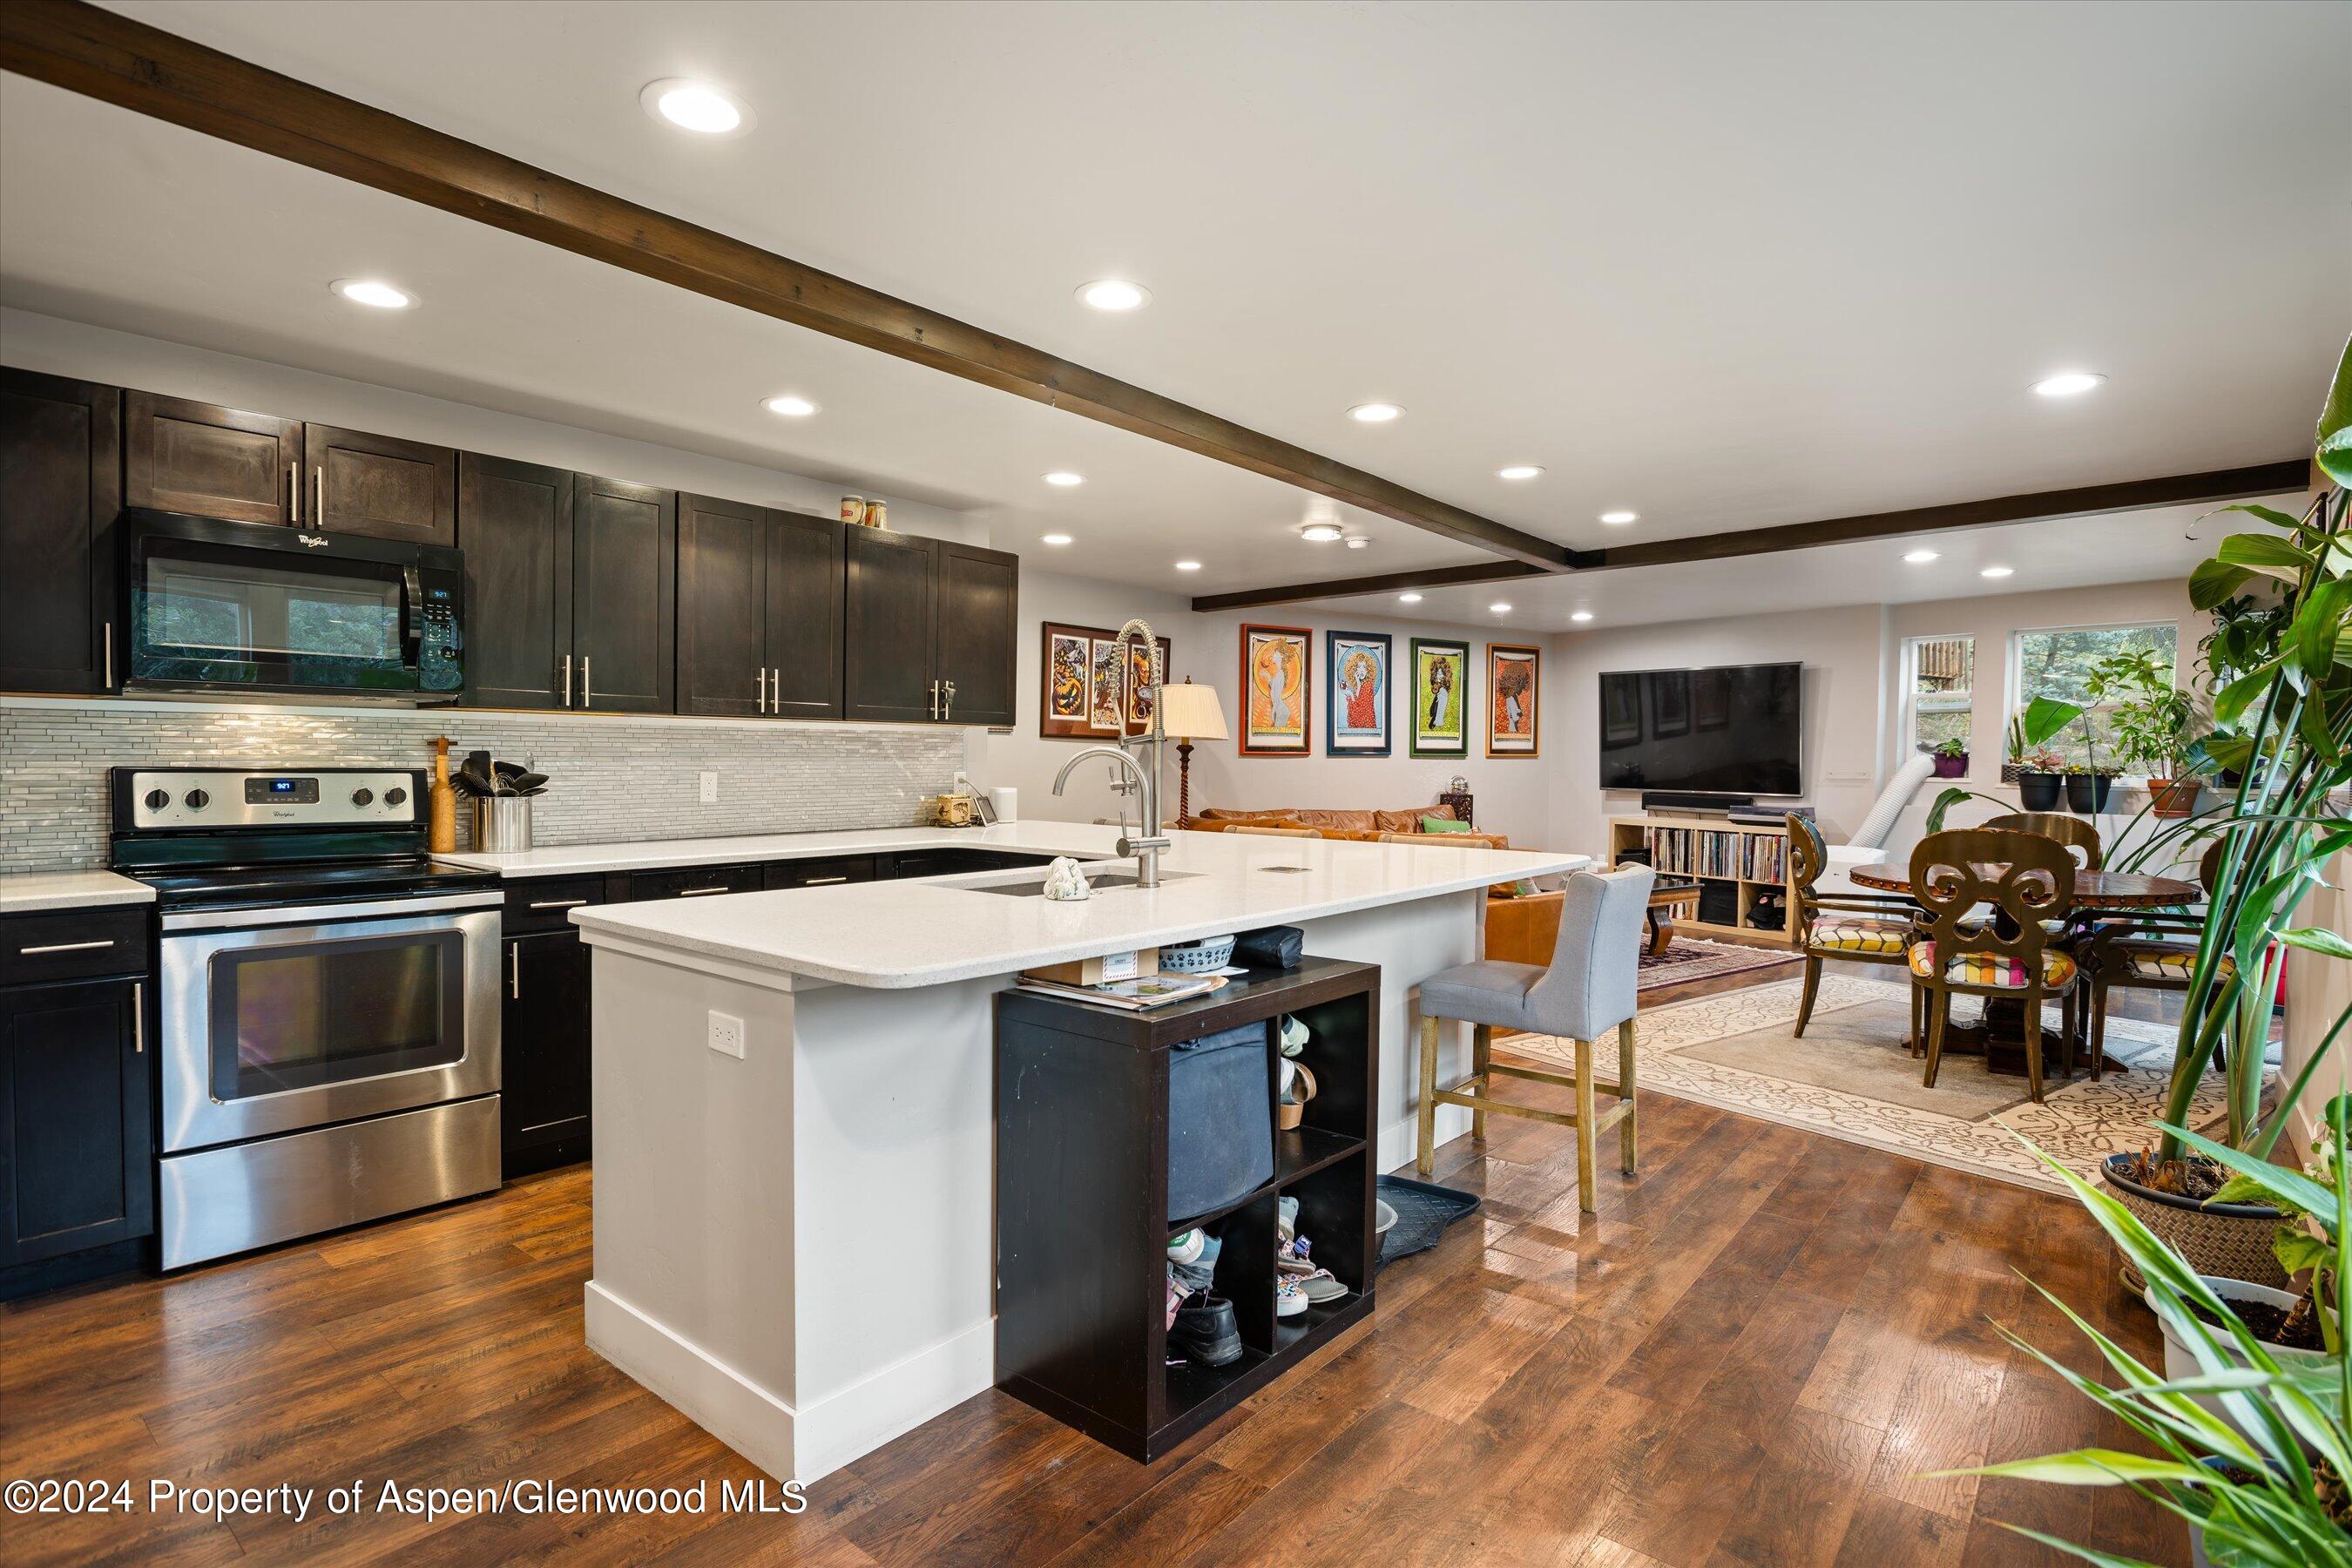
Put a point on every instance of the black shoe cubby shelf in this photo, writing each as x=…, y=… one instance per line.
x=1082, y=1221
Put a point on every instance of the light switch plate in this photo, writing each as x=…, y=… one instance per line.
x=727, y=1033
x=709, y=789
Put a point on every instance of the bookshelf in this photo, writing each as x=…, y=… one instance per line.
x=1752, y=857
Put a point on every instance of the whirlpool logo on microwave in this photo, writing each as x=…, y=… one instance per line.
x=313, y=540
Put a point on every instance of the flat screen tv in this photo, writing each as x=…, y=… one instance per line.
x=1732, y=730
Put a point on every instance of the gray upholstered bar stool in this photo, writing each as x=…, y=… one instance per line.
x=1590, y=986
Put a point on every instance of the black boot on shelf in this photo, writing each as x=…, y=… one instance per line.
x=1205, y=1331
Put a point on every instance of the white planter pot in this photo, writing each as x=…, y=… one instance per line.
x=2180, y=1362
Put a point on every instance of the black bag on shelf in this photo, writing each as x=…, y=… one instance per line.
x=1270, y=947
x=1220, y=1118
x=1719, y=902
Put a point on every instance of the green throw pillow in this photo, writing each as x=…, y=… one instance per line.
x=1442, y=824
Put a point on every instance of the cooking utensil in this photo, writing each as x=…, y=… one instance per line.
x=472, y=782
x=521, y=783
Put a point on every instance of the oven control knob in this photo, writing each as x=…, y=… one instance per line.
x=196, y=800
x=395, y=796
x=361, y=797
x=157, y=799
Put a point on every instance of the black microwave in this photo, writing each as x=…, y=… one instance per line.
x=220, y=608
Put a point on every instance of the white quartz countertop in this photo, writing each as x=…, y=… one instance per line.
x=902, y=934
x=26, y=891
x=1077, y=838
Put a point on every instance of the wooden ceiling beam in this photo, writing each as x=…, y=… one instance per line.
x=1386, y=582
x=106, y=56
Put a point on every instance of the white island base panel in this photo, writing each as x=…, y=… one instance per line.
x=796, y=1247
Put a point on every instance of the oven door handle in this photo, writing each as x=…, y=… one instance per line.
x=328, y=914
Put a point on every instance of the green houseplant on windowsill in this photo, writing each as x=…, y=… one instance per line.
x=2150, y=719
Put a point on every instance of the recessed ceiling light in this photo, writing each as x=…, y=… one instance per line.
x=1581, y=616
x=1408, y=598
x=1620, y=519
x=1113, y=294
x=1374, y=412
x=1518, y=472
x=1921, y=557
x=695, y=106
x=1998, y=572
x=790, y=406
x=1319, y=533
x=1499, y=607
x=1188, y=566
x=2067, y=383
x=1358, y=541
x=1054, y=539
x=1065, y=478
x=368, y=291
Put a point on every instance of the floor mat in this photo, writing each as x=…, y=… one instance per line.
x=1424, y=1210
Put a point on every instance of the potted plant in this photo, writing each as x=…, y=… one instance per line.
x=1952, y=759
x=2039, y=769
x=2151, y=723
x=2087, y=786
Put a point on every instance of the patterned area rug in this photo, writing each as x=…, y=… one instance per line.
x=1850, y=1078
x=1687, y=958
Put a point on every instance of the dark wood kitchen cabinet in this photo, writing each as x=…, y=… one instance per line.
x=77, y=1157
x=759, y=594
x=380, y=485
x=60, y=488
x=543, y=1107
x=514, y=523
x=929, y=630
x=624, y=596
x=179, y=454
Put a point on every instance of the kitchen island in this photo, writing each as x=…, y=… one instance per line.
x=793, y=1095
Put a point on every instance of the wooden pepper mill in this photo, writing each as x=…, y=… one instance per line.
x=441, y=833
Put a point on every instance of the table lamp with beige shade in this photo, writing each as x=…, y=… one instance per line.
x=1190, y=713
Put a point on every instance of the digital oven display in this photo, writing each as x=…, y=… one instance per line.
x=271, y=791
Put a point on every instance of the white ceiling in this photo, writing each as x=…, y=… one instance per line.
x=1731, y=266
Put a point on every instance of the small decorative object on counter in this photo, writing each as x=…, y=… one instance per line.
x=853, y=510
x=1457, y=795
x=878, y=515
x=1065, y=883
x=441, y=803
x=950, y=810
x=1007, y=802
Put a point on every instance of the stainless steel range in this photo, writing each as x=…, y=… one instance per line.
x=326, y=1002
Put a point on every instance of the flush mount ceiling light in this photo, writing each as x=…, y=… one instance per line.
x=1581, y=616
x=1065, y=478
x=2068, y=384
x=1319, y=533
x=695, y=106
x=370, y=292
x=1500, y=608
x=1188, y=566
x=1054, y=539
x=1374, y=412
x=1408, y=598
x=1113, y=294
x=1921, y=557
x=1620, y=517
x=1998, y=572
x=1518, y=472
x=790, y=406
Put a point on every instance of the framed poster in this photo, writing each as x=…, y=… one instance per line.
x=1514, y=693
x=1083, y=687
x=1356, y=722
x=1441, y=693
x=1670, y=703
x=1275, y=690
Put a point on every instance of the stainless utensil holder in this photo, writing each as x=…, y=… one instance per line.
x=502, y=824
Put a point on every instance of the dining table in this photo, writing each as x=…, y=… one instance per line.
x=1999, y=1035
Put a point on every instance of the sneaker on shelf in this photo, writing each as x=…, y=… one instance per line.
x=1186, y=1245
x=1176, y=1291
x=1289, y=1296
x=1198, y=1274
x=1206, y=1331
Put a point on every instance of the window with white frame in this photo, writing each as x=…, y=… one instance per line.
x=2057, y=661
x=1939, y=691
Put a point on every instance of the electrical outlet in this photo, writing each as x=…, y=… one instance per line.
x=711, y=795
x=727, y=1033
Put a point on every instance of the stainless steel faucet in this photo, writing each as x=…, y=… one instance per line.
x=1150, y=839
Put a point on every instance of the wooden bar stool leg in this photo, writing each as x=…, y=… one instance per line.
x=1812, y=984
x=1426, y=1154
x=1482, y=1051
x=1939, y=1008
x=2094, y=1028
x=2033, y=1042
x=1625, y=1143
x=1586, y=1114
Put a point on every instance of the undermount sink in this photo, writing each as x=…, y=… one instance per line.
x=1097, y=880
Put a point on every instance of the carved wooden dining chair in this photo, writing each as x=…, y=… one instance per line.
x=2023, y=878
x=1864, y=928
x=2069, y=830
x=2146, y=950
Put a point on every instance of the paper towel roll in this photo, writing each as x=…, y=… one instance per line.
x=1007, y=802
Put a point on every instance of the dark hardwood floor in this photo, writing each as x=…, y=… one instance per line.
x=1752, y=1354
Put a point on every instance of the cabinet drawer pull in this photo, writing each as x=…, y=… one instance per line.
x=763, y=689
x=587, y=698
x=567, y=680
x=319, y=493
x=138, y=1019
x=514, y=970
x=557, y=903
x=65, y=947
x=110, y=655
x=823, y=882
x=294, y=491
x=698, y=893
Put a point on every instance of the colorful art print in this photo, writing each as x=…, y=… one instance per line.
x=1275, y=690
x=1356, y=719
x=1141, y=700
x=1514, y=695
x=1441, y=694
x=1670, y=703
x=1076, y=691
x=1106, y=688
